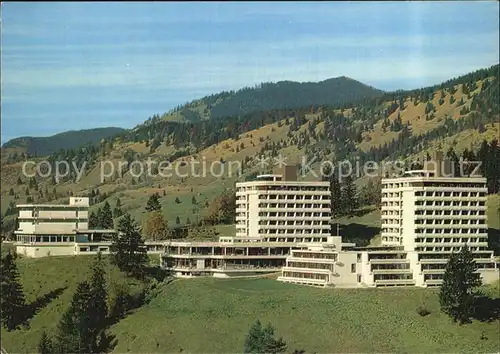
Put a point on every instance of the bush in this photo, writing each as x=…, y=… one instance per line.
x=423, y=311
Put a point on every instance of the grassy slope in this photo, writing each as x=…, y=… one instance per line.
x=210, y=315
x=41, y=276
x=213, y=315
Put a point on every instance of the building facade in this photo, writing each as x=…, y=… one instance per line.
x=278, y=208
x=62, y=230
x=426, y=215
x=275, y=214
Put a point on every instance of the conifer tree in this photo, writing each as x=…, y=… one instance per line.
x=117, y=211
x=349, y=200
x=74, y=333
x=45, y=344
x=460, y=280
x=153, y=203
x=106, y=217
x=98, y=299
x=262, y=340
x=128, y=250
x=93, y=222
x=336, y=197
x=13, y=303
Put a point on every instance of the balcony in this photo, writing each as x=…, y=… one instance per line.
x=388, y=261
x=302, y=280
x=392, y=271
x=395, y=282
x=307, y=270
x=433, y=271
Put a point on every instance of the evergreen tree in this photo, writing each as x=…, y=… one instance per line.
x=45, y=344
x=262, y=340
x=93, y=221
x=74, y=332
x=329, y=175
x=349, y=200
x=106, y=217
x=19, y=181
x=117, y=211
x=460, y=279
x=98, y=218
x=13, y=303
x=98, y=299
x=271, y=344
x=455, y=162
x=193, y=200
x=153, y=203
x=128, y=250
x=177, y=220
x=254, y=339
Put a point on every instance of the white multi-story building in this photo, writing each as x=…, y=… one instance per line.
x=61, y=230
x=275, y=214
x=278, y=208
x=426, y=215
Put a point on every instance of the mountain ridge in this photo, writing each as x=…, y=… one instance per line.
x=71, y=139
x=273, y=95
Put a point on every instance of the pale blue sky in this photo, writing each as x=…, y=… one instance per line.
x=84, y=65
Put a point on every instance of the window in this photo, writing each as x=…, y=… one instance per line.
x=359, y=278
x=353, y=268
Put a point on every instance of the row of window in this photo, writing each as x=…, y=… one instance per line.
x=434, y=184
x=52, y=221
x=293, y=197
x=450, y=222
x=449, y=203
x=450, y=240
x=450, y=231
x=293, y=222
x=295, y=206
x=450, y=212
x=297, y=214
x=296, y=240
x=450, y=194
x=292, y=231
x=284, y=188
x=449, y=249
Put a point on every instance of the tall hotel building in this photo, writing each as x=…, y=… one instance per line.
x=275, y=214
x=278, y=208
x=426, y=215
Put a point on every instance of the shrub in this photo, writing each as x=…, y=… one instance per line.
x=423, y=311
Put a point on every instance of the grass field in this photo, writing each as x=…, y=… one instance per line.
x=213, y=315
x=52, y=282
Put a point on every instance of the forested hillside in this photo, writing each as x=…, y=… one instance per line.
x=460, y=117
x=43, y=146
x=270, y=96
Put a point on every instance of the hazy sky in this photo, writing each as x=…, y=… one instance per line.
x=84, y=65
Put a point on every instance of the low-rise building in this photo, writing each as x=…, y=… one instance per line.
x=62, y=230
